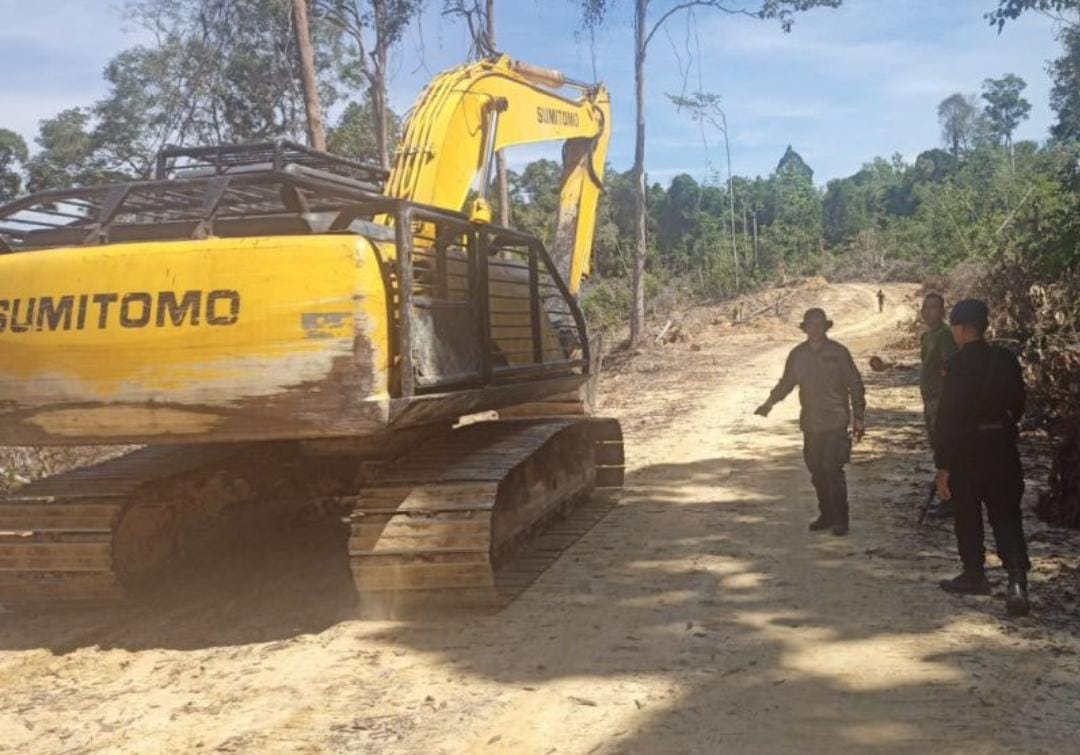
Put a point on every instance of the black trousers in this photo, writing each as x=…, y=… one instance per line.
x=1000, y=488
x=825, y=454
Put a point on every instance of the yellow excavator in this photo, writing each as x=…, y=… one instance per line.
x=277, y=327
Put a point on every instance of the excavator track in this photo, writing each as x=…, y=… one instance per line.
x=458, y=520
x=88, y=534
x=468, y=517
x=96, y=534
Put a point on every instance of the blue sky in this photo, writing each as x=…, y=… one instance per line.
x=844, y=86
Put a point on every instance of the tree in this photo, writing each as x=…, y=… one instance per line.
x=535, y=193
x=479, y=18
x=677, y=222
x=1005, y=108
x=933, y=165
x=957, y=114
x=796, y=230
x=222, y=70
x=704, y=107
x=1065, y=90
x=354, y=133
x=216, y=71
x=306, y=54
x=645, y=29
x=372, y=28
x=1063, y=11
x=13, y=156
x=68, y=154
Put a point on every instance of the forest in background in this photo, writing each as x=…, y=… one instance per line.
x=975, y=214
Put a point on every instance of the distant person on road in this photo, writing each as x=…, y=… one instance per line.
x=975, y=452
x=936, y=346
x=832, y=397
x=880, y=300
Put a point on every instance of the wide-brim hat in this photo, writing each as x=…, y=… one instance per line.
x=815, y=314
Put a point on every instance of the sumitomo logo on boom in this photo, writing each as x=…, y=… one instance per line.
x=553, y=116
x=136, y=309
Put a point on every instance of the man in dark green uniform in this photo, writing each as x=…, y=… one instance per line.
x=975, y=452
x=936, y=346
x=830, y=392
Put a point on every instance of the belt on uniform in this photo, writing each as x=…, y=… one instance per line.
x=989, y=427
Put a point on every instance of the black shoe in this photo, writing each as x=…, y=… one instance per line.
x=968, y=583
x=840, y=529
x=941, y=510
x=1016, y=596
x=821, y=523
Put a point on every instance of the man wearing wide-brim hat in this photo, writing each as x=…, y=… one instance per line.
x=833, y=407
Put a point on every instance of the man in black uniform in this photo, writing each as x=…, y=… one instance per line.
x=830, y=391
x=976, y=455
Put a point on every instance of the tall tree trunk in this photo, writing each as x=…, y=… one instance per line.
x=755, y=241
x=731, y=203
x=745, y=228
x=637, y=306
x=312, y=106
x=502, y=183
x=379, y=111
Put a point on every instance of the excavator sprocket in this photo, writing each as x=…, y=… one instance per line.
x=473, y=516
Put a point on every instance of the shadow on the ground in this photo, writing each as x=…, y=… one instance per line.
x=279, y=583
x=704, y=579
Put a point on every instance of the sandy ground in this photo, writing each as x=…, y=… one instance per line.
x=699, y=616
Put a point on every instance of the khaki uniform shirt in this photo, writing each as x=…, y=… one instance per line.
x=830, y=387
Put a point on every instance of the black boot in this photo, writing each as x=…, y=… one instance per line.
x=1016, y=595
x=821, y=523
x=840, y=529
x=968, y=583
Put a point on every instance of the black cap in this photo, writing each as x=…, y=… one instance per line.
x=815, y=314
x=969, y=312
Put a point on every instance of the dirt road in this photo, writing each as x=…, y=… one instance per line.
x=699, y=616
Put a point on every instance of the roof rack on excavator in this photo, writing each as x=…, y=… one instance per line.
x=232, y=190
x=174, y=162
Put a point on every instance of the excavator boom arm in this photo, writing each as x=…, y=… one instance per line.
x=467, y=113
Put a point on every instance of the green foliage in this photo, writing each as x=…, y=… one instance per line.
x=534, y=198
x=362, y=33
x=354, y=133
x=796, y=230
x=605, y=304
x=13, y=156
x=68, y=154
x=890, y=220
x=1009, y=10
x=219, y=71
x=223, y=70
x=957, y=115
x=1005, y=107
x=1065, y=92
